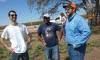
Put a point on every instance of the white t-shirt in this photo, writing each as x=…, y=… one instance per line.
x=16, y=36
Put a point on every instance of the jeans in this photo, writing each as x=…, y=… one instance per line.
x=91, y=22
x=52, y=51
x=17, y=56
x=76, y=53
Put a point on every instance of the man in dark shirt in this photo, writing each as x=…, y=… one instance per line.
x=50, y=39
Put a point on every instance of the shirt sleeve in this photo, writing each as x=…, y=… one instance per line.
x=4, y=34
x=84, y=33
x=39, y=30
x=26, y=30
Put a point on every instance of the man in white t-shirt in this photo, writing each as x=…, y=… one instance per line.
x=15, y=33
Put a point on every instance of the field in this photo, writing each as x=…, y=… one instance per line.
x=36, y=51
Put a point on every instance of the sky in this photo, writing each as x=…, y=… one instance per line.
x=22, y=9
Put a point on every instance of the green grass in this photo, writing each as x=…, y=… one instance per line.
x=4, y=53
x=95, y=30
x=37, y=49
x=89, y=49
x=91, y=44
x=62, y=48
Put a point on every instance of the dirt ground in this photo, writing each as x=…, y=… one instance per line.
x=93, y=55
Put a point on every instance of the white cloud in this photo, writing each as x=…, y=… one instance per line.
x=3, y=0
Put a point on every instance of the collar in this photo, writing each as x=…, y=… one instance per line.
x=69, y=19
x=14, y=25
x=48, y=23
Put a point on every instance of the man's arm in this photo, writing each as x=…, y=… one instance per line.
x=85, y=32
x=6, y=45
x=39, y=32
x=42, y=41
x=29, y=35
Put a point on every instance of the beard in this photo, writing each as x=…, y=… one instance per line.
x=69, y=14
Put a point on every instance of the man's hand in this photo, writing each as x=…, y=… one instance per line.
x=6, y=45
x=73, y=45
x=44, y=44
x=28, y=42
x=59, y=41
x=42, y=41
x=10, y=49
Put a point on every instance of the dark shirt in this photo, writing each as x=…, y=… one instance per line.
x=49, y=33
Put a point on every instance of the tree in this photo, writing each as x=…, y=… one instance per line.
x=30, y=4
x=44, y=6
x=53, y=6
x=95, y=9
x=97, y=12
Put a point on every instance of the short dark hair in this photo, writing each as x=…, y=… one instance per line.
x=10, y=12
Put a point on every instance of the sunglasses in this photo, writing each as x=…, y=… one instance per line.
x=68, y=8
x=47, y=18
x=13, y=15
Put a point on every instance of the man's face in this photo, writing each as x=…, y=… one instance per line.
x=46, y=19
x=12, y=16
x=69, y=11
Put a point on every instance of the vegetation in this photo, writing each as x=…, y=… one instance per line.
x=34, y=53
x=2, y=27
x=33, y=23
x=4, y=53
x=91, y=44
x=38, y=48
x=27, y=24
x=95, y=30
x=54, y=6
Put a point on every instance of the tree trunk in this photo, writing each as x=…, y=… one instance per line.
x=97, y=13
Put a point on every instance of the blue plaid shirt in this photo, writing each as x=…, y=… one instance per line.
x=77, y=31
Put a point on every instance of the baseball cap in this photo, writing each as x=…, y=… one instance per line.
x=46, y=15
x=71, y=4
